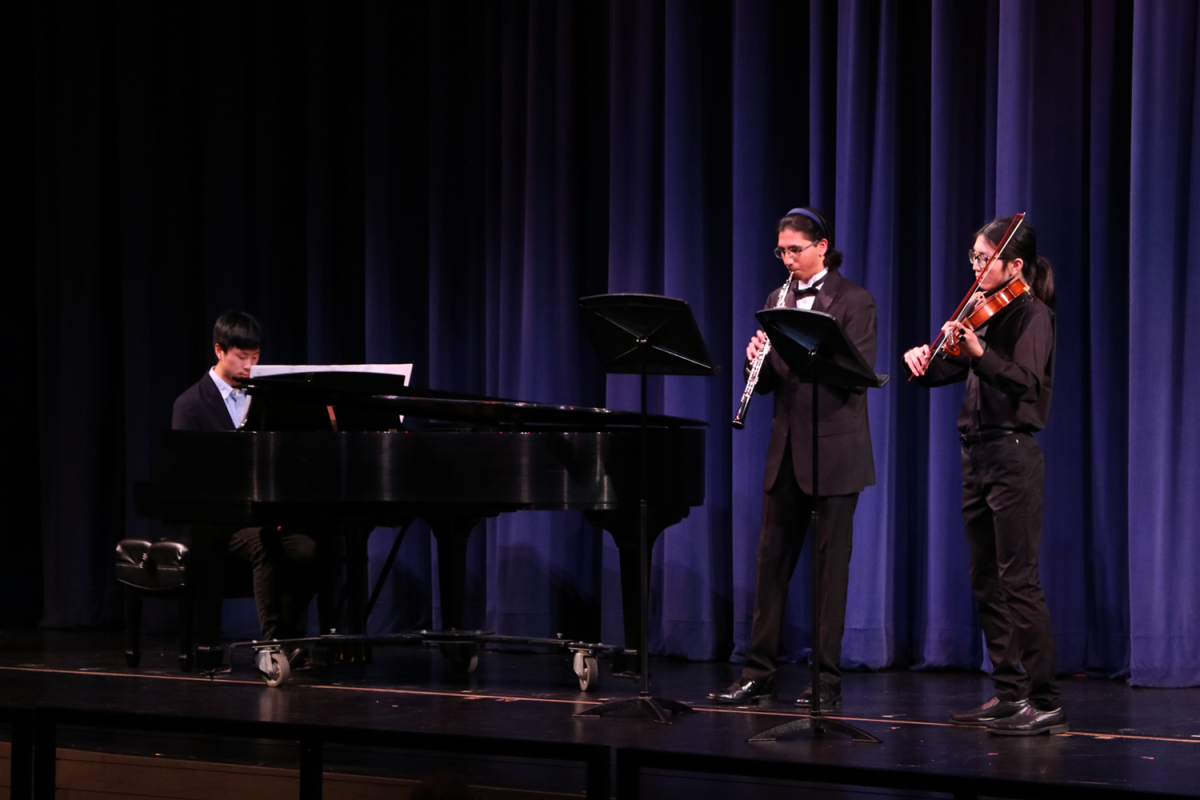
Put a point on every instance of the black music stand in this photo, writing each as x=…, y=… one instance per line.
x=816, y=349
x=644, y=334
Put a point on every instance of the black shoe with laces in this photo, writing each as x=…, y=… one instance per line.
x=831, y=697
x=1030, y=721
x=990, y=711
x=744, y=692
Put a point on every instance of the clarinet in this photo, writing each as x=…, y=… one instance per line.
x=739, y=421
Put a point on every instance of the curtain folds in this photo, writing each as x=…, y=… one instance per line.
x=440, y=182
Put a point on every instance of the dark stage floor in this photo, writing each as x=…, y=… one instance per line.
x=510, y=723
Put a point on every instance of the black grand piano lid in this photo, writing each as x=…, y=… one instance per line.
x=385, y=392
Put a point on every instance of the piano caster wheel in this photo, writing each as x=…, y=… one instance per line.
x=463, y=656
x=587, y=668
x=273, y=666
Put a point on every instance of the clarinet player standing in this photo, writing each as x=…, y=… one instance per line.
x=805, y=244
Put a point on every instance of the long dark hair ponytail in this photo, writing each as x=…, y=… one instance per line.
x=1037, y=270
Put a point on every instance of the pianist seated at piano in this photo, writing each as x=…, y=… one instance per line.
x=283, y=561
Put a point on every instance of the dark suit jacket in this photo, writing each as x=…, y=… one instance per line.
x=846, y=462
x=200, y=408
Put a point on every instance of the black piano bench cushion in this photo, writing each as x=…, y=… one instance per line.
x=153, y=566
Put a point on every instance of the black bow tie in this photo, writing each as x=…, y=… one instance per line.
x=811, y=291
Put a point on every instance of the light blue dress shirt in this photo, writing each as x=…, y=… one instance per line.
x=237, y=402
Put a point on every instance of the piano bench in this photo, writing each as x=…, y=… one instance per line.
x=154, y=569
x=160, y=569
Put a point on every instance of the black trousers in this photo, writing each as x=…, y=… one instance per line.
x=286, y=572
x=284, y=564
x=1002, y=513
x=787, y=512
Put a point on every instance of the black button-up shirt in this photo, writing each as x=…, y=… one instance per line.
x=1010, y=385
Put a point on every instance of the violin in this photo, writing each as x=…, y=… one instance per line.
x=984, y=310
x=942, y=344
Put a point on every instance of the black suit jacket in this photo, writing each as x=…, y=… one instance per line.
x=200, y=408
x=846, y=462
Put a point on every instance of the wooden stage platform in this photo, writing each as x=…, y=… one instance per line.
x=510, y=724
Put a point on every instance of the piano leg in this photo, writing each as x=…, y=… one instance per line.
x=451, y=534
x=341, y=605
x=625, y=529
x=350, y=548
x=329, y=554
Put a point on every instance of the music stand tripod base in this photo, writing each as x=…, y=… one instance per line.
x=656, y=707
x=818, y=725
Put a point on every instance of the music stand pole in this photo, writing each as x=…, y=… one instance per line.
x=808, y=361
x=644, y=550
x=661, y=334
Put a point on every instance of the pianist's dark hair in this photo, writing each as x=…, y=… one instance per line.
x=237, y=329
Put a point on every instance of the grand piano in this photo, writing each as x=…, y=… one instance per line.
x=330, y=449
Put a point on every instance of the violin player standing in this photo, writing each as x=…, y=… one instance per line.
x=1008, y=366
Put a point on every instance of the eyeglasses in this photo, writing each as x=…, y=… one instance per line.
x=978, y=258
x=794, y=251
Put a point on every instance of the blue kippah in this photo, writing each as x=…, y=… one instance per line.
x=804, y=212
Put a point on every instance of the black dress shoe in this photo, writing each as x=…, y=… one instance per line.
x=740, y=693
x=990, y=711
x=831, y=697
x=1030, y=721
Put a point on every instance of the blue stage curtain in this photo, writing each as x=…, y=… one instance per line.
x=440, y=182
x=1164, y=442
